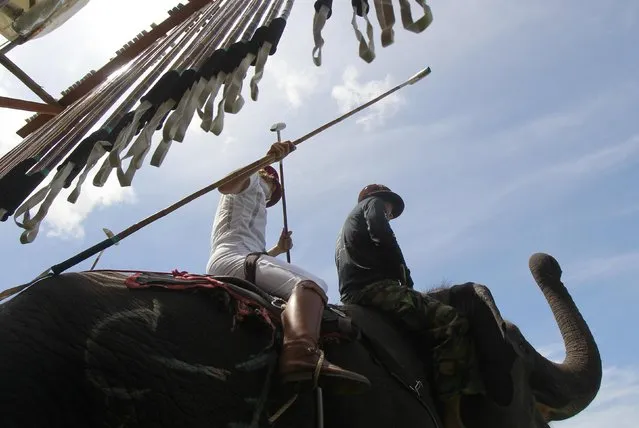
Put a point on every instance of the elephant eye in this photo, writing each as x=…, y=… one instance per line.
x=522, y=346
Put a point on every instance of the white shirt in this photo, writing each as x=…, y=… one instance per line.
x=239, y=229
x=240, y=222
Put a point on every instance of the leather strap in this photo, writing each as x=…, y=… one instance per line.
x=250, y=266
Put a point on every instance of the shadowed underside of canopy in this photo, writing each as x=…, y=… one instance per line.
x=23, y=20
x=194, y=69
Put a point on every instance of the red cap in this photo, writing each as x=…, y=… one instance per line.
x=385, y=193
x=272, y=174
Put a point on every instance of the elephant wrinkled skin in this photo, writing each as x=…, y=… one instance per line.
x=81, y=350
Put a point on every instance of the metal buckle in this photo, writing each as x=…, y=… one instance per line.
x=418, y=386
x=278, y=303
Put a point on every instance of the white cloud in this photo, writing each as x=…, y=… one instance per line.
x=351, y=94
x=295, y=83
x=616, y=403
x=599, y=161
x=513, y=190
x=65, y=220
x=576, y=170
x=603, y=267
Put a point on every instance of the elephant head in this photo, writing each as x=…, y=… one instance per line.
x=543, y=390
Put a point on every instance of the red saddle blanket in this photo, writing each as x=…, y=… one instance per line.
x=248, y=297
x=247, y=301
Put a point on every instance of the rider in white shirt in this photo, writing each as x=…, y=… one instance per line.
x=238, y=237
x=239, y=229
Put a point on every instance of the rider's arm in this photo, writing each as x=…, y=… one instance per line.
x=275, y=251
x=382, y=235
x=284, y=244
x=235, y=186
x=278, y=151
x=378, y=226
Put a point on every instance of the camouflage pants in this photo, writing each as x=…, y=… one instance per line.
x=454, y=368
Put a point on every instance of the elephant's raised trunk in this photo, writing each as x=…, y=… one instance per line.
x=566, y=388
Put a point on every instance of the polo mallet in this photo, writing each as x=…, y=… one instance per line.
x=110, y=235
x=278, y=127
x=243, y=172
x=319, y=396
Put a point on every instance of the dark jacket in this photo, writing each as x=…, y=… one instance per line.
x=367, y=250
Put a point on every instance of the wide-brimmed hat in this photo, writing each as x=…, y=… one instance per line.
x=383, y=192
x=276, y=195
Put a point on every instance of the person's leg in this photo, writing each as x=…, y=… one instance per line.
x=413, y=309
x=301, y=359
x=231, y=264
x=445, y=328
x=278, y=278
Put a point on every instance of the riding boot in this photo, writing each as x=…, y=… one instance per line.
x=301, y=359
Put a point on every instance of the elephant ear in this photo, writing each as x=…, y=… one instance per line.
x=521, y=346
x=495, y=354
x=476, y=302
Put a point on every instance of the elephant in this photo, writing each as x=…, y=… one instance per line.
x=88, y=349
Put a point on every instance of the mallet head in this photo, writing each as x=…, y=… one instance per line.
x=277, y=127
x=109, y=234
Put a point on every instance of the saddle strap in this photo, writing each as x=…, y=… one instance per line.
x=388, y=361
x=250, y=266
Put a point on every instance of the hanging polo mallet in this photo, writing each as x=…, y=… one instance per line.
x=278, y=127
x=110, y=235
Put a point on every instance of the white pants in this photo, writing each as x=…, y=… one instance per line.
x=274, y=276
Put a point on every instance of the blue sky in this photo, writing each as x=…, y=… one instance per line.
x=524, y=138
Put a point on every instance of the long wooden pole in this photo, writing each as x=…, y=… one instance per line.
x=244, y=172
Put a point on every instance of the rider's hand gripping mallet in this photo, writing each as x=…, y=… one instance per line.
x=278, y=128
